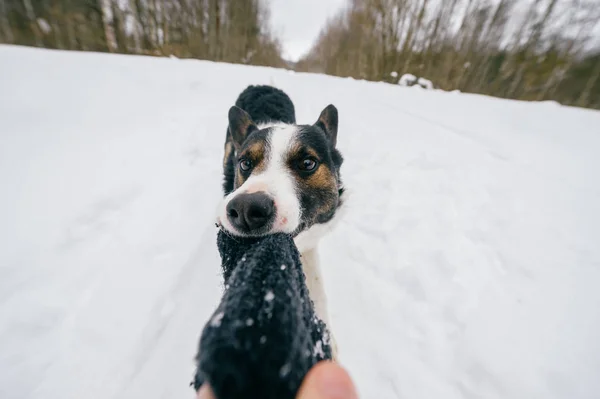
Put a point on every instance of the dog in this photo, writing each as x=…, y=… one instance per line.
x=283, y=177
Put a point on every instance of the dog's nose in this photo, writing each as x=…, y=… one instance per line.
x=251, y=212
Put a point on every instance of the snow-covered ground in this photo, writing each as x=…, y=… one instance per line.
x=468, y=265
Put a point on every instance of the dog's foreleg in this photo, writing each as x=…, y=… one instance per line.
x=316, y=290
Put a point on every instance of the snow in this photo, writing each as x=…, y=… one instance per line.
x=425, y=83
x=217, y=319
x=269, y=296
x=44, y=25
x=467, y=265
x=407, y=79
x=285, y=370
x=412, y=81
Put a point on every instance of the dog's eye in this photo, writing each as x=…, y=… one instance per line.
x=245, y=164
x=307, y=164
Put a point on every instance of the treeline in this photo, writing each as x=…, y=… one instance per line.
x=530, y=50
x=221, y=30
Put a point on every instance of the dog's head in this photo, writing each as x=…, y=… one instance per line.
x=287, y=177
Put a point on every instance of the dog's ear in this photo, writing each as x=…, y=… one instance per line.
x=240, y=125
x=328, y=121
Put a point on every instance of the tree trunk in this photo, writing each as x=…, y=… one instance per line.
x=494, y=26
x=516, y=83
x=119, y=28
x=451, y=63
x=109, y=32
x=32, y=22
x=586, y=94
x=413, y=34
x=7, y=35
x=57, y=35
x=71, y=35
x=218, y=31
x=165, y=24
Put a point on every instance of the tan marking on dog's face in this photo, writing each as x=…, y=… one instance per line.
x=323, y=181
x=239, y=179
x=294, y=152
x=255, y=153
x=319, y=189
x=311, y=152
x=322, y=178
x=227, y=154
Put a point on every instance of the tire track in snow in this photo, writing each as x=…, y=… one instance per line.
x=464, y=134
x=167, y=306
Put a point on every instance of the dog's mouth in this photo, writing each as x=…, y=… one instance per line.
x=301, y=227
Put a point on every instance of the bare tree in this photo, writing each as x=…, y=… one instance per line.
x=593, y=80
x=32, y=21
x=107, y=20
x=6, y=30
x=473, y=47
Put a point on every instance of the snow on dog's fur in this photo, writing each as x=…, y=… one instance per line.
x=282, y=177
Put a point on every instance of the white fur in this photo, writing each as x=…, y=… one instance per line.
x=316, y=291
x=275, y=180
x=307, y=244
x=266, y=125
x=309, y=238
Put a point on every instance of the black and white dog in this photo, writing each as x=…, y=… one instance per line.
x=282, y=177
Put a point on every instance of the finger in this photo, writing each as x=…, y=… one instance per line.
x=327, y=380
x=205, y=392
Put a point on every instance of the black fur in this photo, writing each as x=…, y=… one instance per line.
x=265, y=335
x=240, y=126
x=267, y=104
x=328, y=122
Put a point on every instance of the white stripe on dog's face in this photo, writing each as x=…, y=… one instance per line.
x=275, y=180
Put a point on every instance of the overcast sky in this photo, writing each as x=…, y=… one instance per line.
x=298, y=22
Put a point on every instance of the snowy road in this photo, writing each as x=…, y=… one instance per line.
x=467, y=265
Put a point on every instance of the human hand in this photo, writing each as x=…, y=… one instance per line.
x=326, y=380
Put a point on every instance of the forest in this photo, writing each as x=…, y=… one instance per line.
x=533, y=50
x=538, y=50
x=234, y=31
